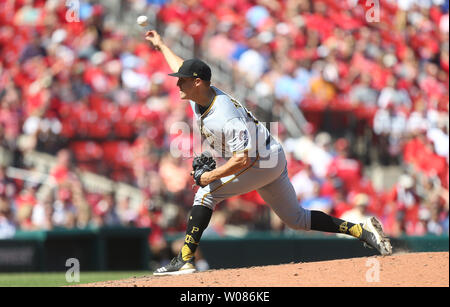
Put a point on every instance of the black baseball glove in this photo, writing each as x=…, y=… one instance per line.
x=201, y=164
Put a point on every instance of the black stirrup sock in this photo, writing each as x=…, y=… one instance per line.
x=197, y=223
x=323, y=222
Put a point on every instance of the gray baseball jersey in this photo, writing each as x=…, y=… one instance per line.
x=228, y=128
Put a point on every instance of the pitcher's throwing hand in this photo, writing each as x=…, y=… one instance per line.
x=153, y=37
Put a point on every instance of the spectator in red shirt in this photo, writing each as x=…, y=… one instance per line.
x=431, y=163
x=403, y=203
x=415, y=144
x=341, y=205
x=61, y=171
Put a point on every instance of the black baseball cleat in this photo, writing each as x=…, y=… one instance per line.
x=176, y=267
x=374, y=237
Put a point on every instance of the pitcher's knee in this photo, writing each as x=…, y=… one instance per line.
x=205, y=201
x=299, y=221
x=203, y=197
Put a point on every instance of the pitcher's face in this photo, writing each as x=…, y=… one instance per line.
x=187, y=87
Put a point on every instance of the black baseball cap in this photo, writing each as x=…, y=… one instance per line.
x=194, y=68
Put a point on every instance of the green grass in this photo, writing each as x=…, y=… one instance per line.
x=56, y=279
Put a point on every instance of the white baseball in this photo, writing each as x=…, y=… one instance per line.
x=142, y=21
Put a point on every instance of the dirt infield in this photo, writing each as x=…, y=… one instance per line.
x=398, y=270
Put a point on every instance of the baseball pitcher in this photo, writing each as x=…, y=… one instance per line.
x=254, y=161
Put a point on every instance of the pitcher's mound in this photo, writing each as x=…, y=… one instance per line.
x=405, y=270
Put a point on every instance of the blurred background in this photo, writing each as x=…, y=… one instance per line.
x=86, y=107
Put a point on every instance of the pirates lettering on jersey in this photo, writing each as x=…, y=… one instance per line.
x=205, y=133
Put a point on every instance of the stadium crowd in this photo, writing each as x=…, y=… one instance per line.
x=100, y=100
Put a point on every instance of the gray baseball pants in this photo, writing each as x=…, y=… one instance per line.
x=269, y=177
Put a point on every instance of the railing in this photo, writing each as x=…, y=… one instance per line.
x=42, y=163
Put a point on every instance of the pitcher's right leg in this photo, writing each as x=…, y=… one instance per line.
x=280, y=196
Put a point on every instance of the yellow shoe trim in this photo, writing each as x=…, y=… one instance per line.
x=186, y=253
x=356, y=231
